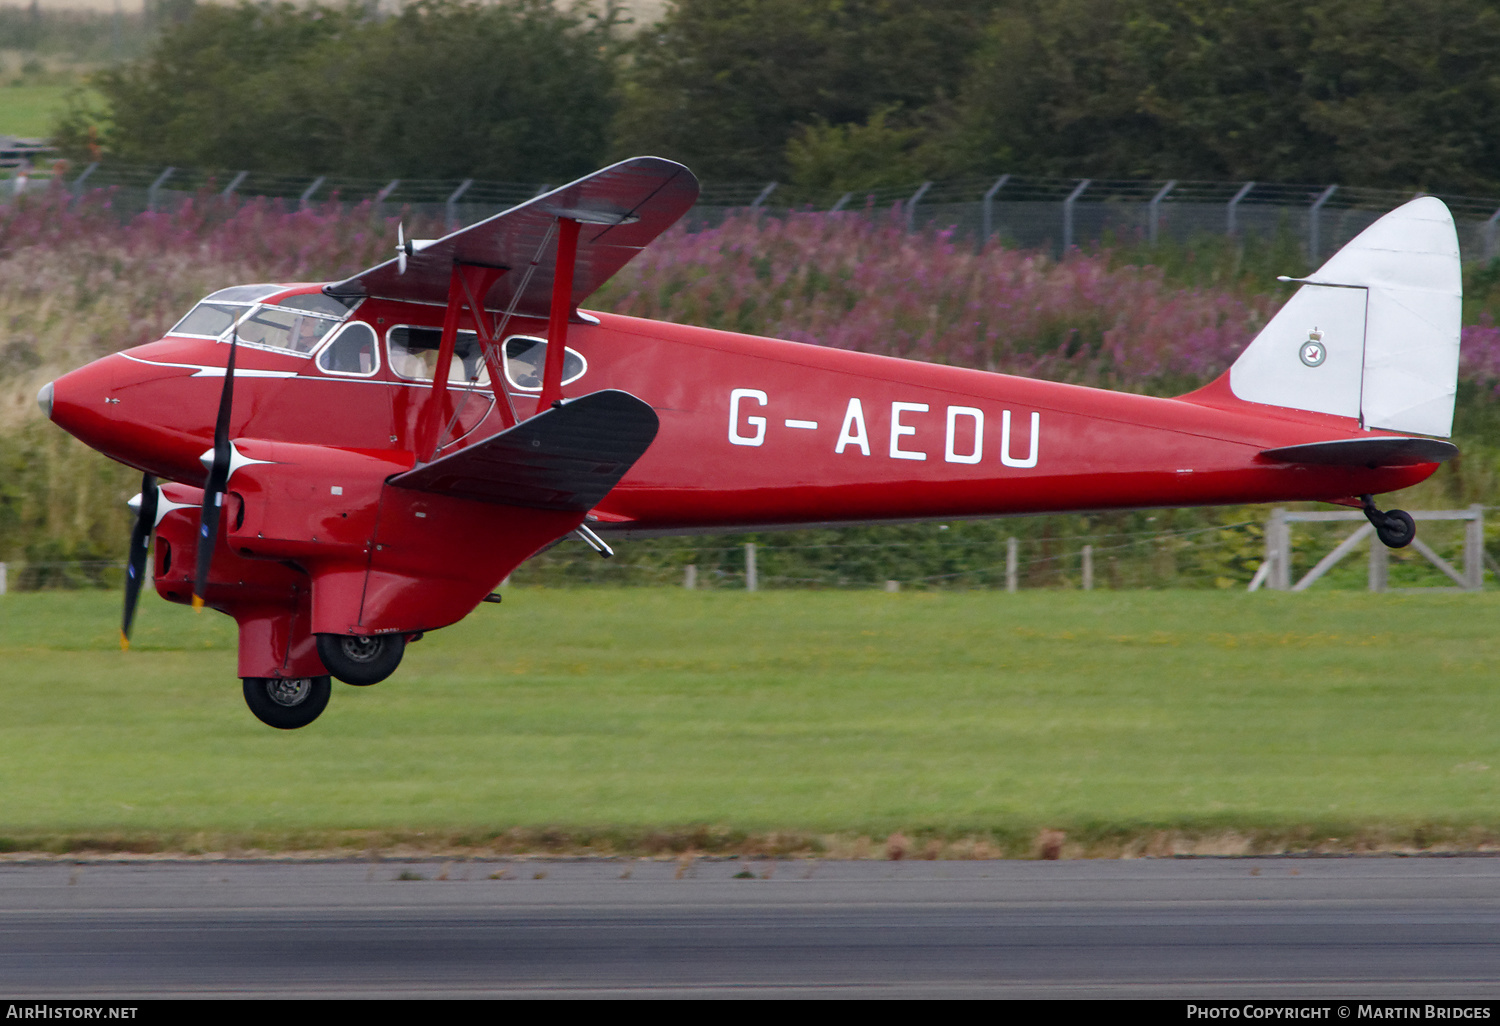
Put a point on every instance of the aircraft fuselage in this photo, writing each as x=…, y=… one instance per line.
x=753, y=432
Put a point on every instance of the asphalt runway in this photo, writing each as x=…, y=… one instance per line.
x=1338, y=928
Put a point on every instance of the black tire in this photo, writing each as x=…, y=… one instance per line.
x=287, y=704
x=1399, y=529
x=361, y=660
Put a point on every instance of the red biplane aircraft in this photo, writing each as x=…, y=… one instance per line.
x=387, y=448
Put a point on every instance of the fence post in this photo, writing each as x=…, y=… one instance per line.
x=988, y=212
x=2, y=578
x=450, y=206
x=1154, y=208
x=1278, y=534
x=1068, y=214
x=384, y=194
x=1088, y=568
x=307, y=194
x=1314, y=217
x=1380, y=564
x=911, y=206
x=1231, y=225
x=78, y=182
x=1490, y=230
x=1010, y=564
x=155, y=186
x=751, y=583
x=234, y=183
x=892, y=585
x=1474, y=549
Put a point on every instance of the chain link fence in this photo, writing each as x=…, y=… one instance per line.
x=1027, y=211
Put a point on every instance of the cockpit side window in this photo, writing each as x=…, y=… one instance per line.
x=355, y=350
x=414, y=353
x=526, y=359
x=245, y=293
x=282, y=328
x=208, y=320
x=297, y=324
x=316, y=302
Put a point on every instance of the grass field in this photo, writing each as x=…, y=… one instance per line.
x=656, y=719
x=29, y=110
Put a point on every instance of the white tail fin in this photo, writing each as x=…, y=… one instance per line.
x=1373, y=333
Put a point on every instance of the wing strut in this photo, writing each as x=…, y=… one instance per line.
x=562, y=307
x=467, y=284
x=464, y=283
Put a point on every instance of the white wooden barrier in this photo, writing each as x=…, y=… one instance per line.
x=1276, y=570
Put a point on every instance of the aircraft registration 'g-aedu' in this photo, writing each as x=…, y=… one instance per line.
x=387, y=448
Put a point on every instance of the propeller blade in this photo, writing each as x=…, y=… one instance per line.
x=218, y=477
x=140, y=544
x=402, y=249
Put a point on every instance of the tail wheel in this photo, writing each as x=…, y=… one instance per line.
x=361, y=660
x=287, y=703
x=1394, y=527
x=1399, y=529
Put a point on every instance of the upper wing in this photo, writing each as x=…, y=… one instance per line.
x=622, y=208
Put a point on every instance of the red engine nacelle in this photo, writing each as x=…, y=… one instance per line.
x=270, y=601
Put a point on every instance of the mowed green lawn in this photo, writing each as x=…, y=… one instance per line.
x=29, y=110
x=633, y=710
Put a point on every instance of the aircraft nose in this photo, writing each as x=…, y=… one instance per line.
x=78, y=402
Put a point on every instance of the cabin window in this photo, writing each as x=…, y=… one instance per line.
x=414, y=353
x=355, y=350
x=526, y=358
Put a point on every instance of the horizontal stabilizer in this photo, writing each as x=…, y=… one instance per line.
x=1375, y=451
x=565, y=458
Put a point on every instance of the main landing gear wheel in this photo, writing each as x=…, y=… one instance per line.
x=287, y=703
x=361, y=660
x=1395, y=528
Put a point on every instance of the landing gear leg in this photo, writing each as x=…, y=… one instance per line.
x=1395, y=528
x=287, y=703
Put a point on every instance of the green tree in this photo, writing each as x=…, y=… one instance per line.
x=513, y=90
x=724, y=84
x=823, y=158
x=1363, y=92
